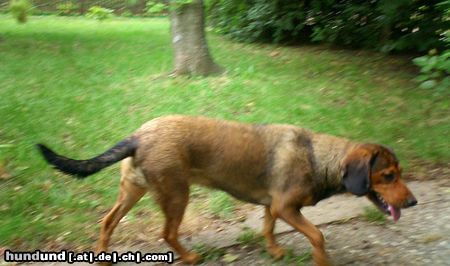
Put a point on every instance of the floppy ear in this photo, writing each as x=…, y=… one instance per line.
x=357, y=172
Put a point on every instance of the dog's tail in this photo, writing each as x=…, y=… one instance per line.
x=84, y=168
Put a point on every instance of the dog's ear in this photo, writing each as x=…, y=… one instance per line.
x=357, y=170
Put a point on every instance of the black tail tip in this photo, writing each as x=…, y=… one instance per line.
x=56, y=162
x=41, y=147
x=46, y=152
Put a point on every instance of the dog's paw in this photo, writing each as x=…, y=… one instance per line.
x=321, y=259
x=277, y=252
x=191, y=258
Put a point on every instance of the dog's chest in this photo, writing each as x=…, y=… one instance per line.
x=246, y=188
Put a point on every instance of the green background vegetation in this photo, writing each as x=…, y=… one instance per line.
x=386, y=25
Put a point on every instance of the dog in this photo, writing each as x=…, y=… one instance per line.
x=281, y=167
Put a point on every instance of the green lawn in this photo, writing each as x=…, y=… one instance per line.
x=80, y=86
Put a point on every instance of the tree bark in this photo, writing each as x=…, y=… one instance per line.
x=188, y=39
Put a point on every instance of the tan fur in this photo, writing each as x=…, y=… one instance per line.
x=280, y=166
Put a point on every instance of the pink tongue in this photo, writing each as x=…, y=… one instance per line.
x=395, y=213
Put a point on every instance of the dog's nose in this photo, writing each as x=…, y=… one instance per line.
x=411, y=201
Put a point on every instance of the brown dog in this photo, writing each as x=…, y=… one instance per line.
x=282, y=167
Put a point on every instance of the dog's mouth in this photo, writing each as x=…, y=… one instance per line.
x=383, y=206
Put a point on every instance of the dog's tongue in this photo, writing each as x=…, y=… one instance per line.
x=395, y=213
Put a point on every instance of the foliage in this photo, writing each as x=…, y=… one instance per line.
x=414, y=25
x=158, y=8
x=130, y=8
x=67, y=8
x=131, y=3
x=434, y=71
x=155, y=8
x=435, y=68
x=177, y=4
x=20, y=9
x=385, y=25
x=99, y=13
x=127, y=14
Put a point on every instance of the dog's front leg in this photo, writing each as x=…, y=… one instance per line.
x=293, y=217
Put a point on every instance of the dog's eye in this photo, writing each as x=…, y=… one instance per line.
x=389, y=177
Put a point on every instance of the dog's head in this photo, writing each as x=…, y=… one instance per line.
x=373, y=170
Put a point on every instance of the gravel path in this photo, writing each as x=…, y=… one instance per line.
x=421, y=237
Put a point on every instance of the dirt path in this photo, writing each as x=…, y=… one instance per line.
x=421, y=237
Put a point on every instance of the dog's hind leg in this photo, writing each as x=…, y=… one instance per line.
x=275, y=250
x=129, y=195
x=173, y=196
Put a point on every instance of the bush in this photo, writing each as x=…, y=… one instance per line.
x=127, y=14
x=67, y=9
x=99, y=13
x=20, y=9
x=386, y=25
x=434, y=71
x=250, y=21
x=414, y=25
x=353, y=25
x=153, y=8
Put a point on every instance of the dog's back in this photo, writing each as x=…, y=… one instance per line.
x=235, y=157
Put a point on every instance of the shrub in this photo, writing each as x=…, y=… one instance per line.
x=154, y=8
x=20, y=9
x=434, y=71
x=435, y=67
x=127, y=14
x=414, y=25
x=342, y=23
x=386, y=25
x=273, y=21
x=67, y=8
x=99, y=13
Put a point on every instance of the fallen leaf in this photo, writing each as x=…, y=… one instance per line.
x=228, y=258
x=275, y=53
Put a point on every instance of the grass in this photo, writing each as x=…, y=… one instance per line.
x=249, y=237
x=290, y=257
x=81, y=86
x=209, y=253
x=373, y=215
x=221, y=204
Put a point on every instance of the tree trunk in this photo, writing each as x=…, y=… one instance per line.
x=189, y=42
